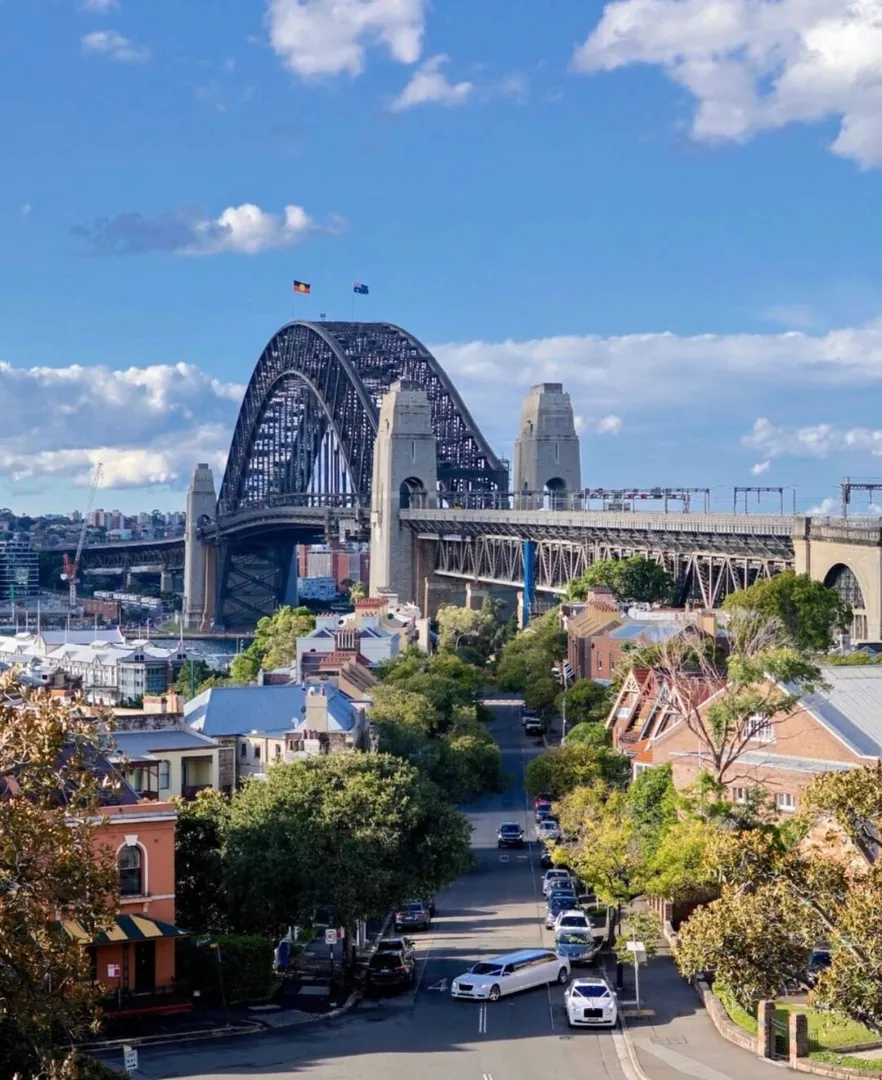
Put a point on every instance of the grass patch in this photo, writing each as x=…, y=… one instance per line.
x=827, y=1032
x=844, y=1061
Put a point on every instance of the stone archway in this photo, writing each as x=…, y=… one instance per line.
x=843, y=579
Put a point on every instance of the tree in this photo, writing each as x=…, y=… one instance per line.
x=787, y=887
x=526, y=662
x=192, y=674
x=809, y=611
x=458, y=625
x=589, y=734
x=587, y=702
x=393, y=704
x=275, y=643
x=603, y=844
x=565, y=768
x=760, y=686
x=199, y=868
x=50, y=865
x=361, y=831
x=677, y=869
x=357, y=591
x=632, y=580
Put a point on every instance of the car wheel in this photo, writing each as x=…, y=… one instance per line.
x=563, y=976
x=495, y=993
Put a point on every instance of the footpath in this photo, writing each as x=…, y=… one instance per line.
x=679, y=1038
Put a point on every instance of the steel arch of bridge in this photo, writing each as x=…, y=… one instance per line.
x=310, y=415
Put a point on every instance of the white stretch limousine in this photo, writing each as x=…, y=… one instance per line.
x=491, y=979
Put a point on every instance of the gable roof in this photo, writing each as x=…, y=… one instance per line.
x=851, y=707
x=239, y=710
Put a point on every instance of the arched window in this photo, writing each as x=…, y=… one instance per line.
x=131, y=873
x=842, y=579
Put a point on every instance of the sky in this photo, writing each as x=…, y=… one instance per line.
x=668, y=205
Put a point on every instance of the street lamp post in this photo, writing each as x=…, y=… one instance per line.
x=564, y=673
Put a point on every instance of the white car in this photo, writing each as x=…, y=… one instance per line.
x=591, y=1003
x=572, y=920
x=548, y=830
x=555, y=877
x=492, y=979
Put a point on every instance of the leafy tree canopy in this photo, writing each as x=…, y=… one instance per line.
x=191, y=676
x=275, y=643
x=51, y=863
x=809, y=611
x=565, y=768
x=587, y=702
x=589, y=734
x=632, y=580
x=526, y=661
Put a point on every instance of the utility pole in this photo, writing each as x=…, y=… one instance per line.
x=564, y=673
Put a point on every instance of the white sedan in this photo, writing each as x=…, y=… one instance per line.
x=571, y=920
x=591, y=1003
x=554, y=877
x=548, y=830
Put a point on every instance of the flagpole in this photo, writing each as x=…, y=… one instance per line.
x=352, y=317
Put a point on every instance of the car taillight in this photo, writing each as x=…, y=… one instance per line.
x=402, y=968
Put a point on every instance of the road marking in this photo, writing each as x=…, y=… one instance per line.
x=505, y=858
x=442, y=986
x=522, y=858
x=482, y=1020
x=487, y=1076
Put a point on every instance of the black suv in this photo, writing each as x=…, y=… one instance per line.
x=395, y=969
x=510, y=834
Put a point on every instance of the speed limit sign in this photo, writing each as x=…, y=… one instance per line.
x=330, y=937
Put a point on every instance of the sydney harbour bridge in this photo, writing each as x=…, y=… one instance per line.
x=354, y=431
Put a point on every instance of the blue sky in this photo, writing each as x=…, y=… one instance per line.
x=669, y=206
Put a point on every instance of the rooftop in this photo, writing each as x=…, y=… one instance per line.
x=851, y=707
x=238, y=710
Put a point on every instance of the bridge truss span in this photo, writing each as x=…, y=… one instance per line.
x=708, y=556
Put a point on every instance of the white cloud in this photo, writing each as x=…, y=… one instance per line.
x=826, y=508
x=760, y=468
x=429, y=86
x=606, y=425
x=146, y=425
x=755, y=65
x=330, y=37
x=99, y=5
x=113, y=45
x=244, y=230
x=816, y=440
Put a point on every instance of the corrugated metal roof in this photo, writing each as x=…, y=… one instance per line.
x=134, y=743
x=759, y=758
x=238, y=710
x=852, y=707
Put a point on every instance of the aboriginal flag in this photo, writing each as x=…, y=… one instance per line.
x=302, y=287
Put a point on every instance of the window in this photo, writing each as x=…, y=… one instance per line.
x=243, y=750
x=740, y=794
x=278, y=750
x=256, y=752
x=128, y=862
x=164, y=780
x=760, y=729
x=785, y=802
x=599, y=662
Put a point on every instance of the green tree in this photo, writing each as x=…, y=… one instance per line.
x=565, y=768
x=274, y=645
x=587, y=702
x=357, y=591
x=787, y=887
x=51, y=865
x=603, y=845
x=199, y=866
x=590, y=734
x=526, y=661
x=632, y=580
x=678, y=869
x=809, y=611
x=192, y=674
x=642, y=926
x=393, y=704
x=459, y=626
x=652, y=798
x=361, y=831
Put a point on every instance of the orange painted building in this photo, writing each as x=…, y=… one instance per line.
x=135, y=958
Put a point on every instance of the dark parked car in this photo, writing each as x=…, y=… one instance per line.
x=390, y=969
x=543, y=811
x=510, y=834
x=414, y=915
x=545, y=859
x=820, y=960
x=534, y=726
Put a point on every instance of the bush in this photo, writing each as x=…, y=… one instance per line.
x=247, y=967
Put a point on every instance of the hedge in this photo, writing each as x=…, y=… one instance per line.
x=246, y=965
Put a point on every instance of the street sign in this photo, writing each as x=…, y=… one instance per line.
x=113, y=971
x=130, y=1059
x=330, y=937
x=636, y=946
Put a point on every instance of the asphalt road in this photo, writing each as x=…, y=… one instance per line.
x=495, y=908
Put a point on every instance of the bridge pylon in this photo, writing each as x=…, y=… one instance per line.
x=200, y=560
x=547, y=451
x=405, y=464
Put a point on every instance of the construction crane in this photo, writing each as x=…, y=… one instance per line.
x=69, y=569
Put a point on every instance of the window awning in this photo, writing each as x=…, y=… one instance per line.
x=124, y=928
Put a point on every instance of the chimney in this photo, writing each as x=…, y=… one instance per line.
x=707, y=622
x=316, y=709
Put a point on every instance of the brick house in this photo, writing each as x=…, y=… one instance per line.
x=831, y=730
x=599, y=612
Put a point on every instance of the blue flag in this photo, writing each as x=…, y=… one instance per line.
x=360, y=288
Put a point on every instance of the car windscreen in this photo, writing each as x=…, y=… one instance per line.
x=573, y=920
x=575, y=939
x=509, y=828
x=415, y=906
x=590, y=991
x=486, y=969
x=385, y=961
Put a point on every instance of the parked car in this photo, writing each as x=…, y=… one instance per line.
x=403, y=945
x=393, y=969
x=533, y=726
x=819, y=961
x=530, y=717
x=591, y=1002
x=578, y=946
x=556, y=874
x=542, y=810
x=572, y=920
x=544, y=797
x=492, y=979
x=565, y=892
x=510, y=834
x=546, y=860
x=414, y=915
x=555, y=907
x=548, y=829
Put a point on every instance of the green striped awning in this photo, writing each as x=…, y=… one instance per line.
x=125, y=928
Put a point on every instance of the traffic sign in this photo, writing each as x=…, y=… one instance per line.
x=330, y=937
x=130, y=1059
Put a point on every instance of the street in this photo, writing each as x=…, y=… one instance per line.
x=495, y=908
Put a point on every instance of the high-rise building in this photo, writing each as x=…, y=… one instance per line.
x=19, y=567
